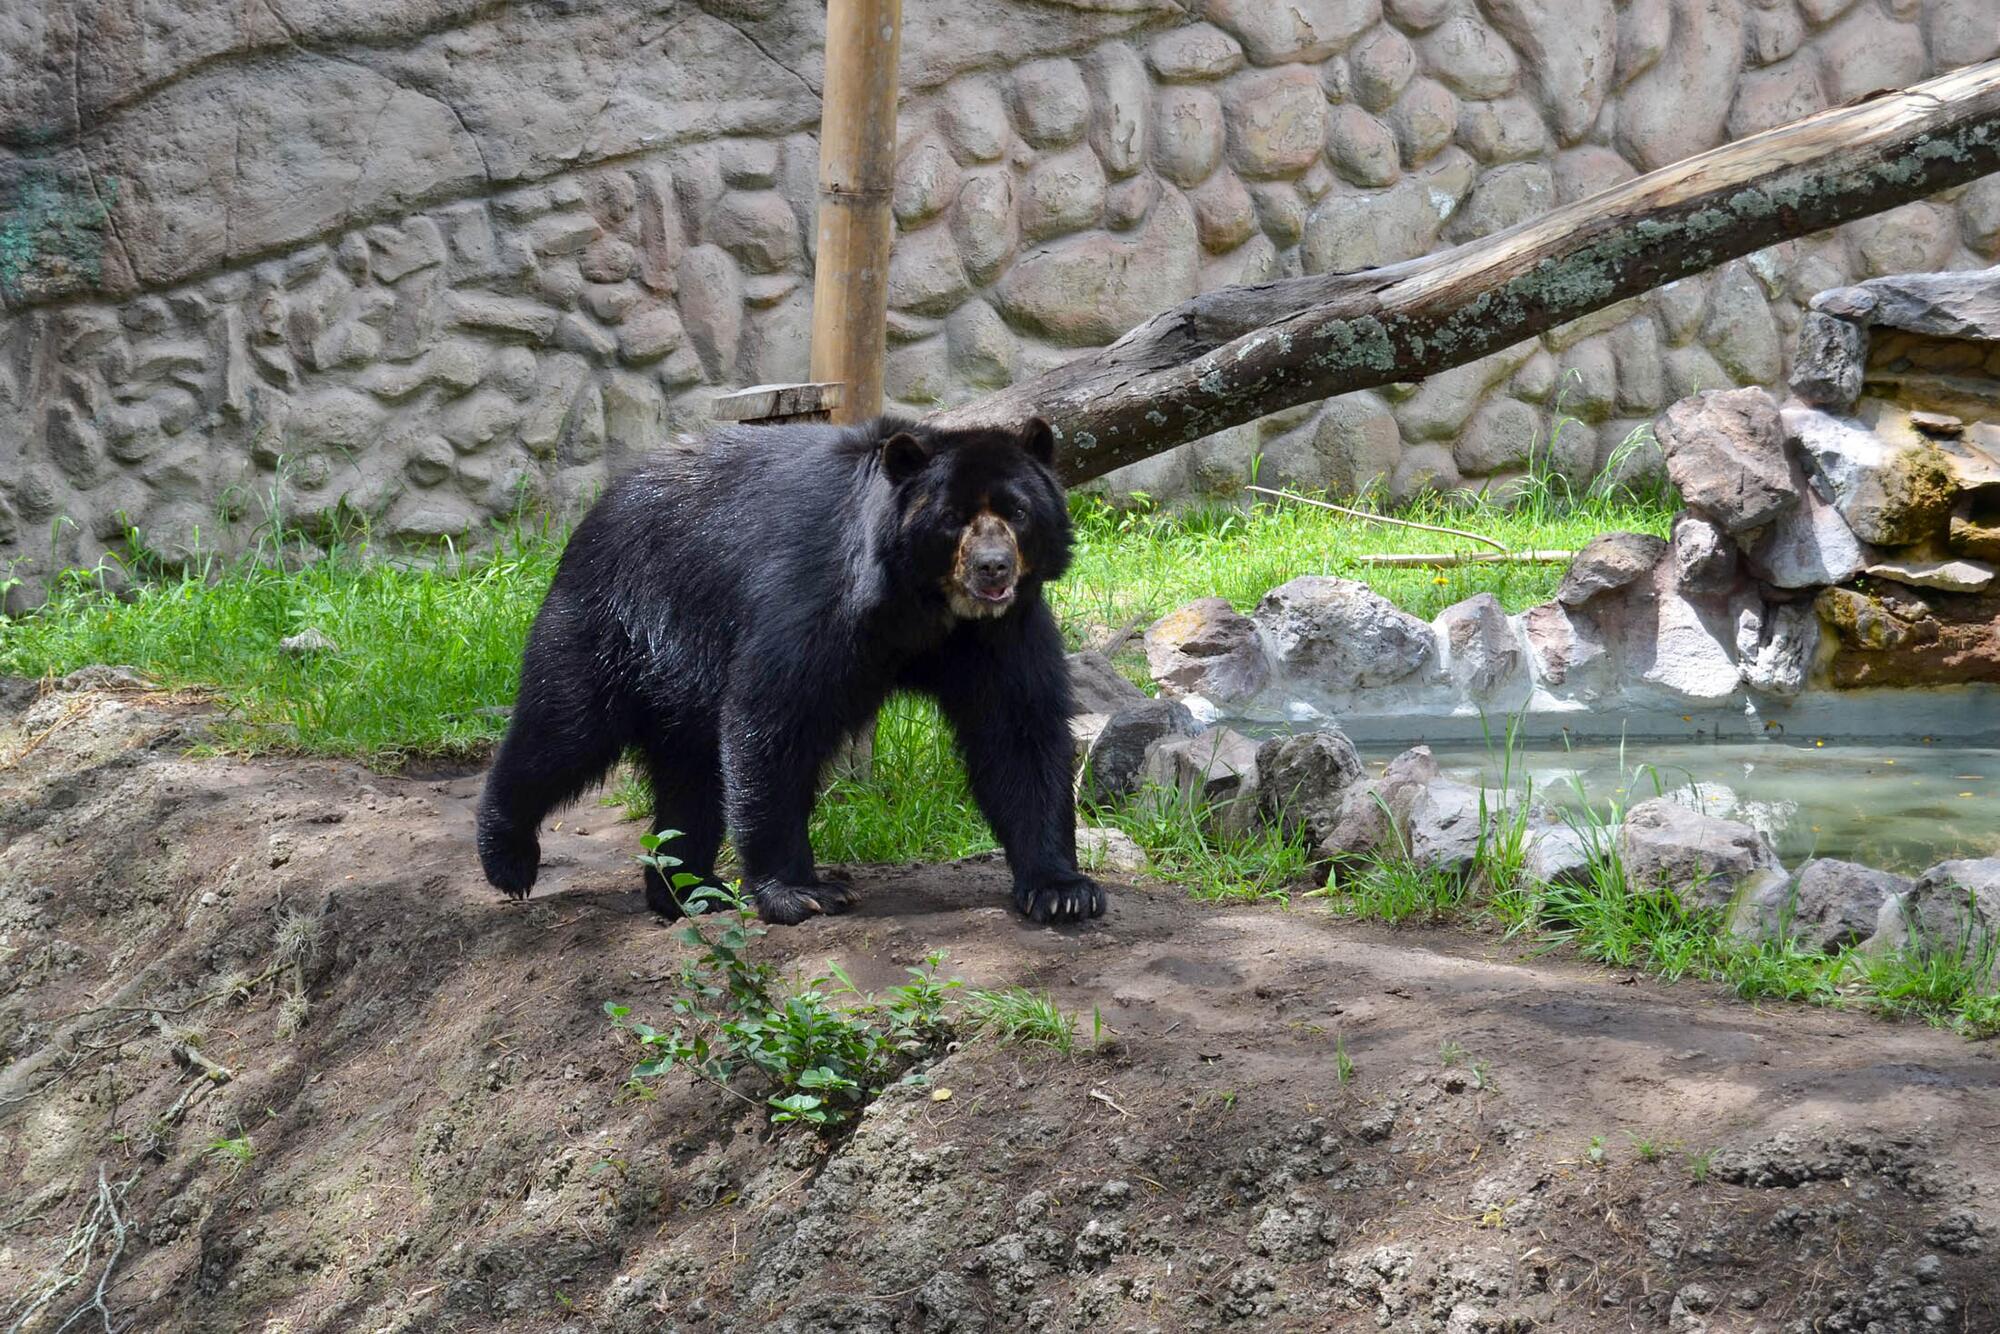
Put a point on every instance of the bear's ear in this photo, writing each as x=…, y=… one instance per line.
x=1039, y=439
x=904, y=456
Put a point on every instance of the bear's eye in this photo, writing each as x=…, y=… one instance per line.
x=954, y=517
x=1017, y=513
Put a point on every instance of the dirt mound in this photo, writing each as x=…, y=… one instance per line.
x=424, y=1124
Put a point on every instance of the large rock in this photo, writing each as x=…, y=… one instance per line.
x=1828, y=906
x=1373, y=814
x=1740, y=329
x=1776, y=646
x=1089, y=289
x=1216, y=771
x=1827, y=367
x=1276, y=120
x=1687, y=59
x=1608, y=562
x=1692, y=650
x=1445, y=825
x=1890, y=493
x=1207, y=648
x=1051, y=102
x=1943, y=305
x=1301, y=30
x=1192, y=53
x=1569, y=47
x=1558, y=854
x=1706, y=861
x=1951, y=912
x=1807, y=546
x=1568, y=652
x=1725, y=451
x=1704, y=556
x=1339, y=634
x=1472, y=58
x=1115, y=759
x=1303, y=780
x=1482, y=653
x=1098, y=687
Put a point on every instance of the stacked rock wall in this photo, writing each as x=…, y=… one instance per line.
x=422, y=262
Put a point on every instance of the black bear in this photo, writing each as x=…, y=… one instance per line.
x=732, y=610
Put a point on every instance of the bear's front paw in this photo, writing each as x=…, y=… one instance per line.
x=510, y=860
x=1068, y=897
x=788, y=905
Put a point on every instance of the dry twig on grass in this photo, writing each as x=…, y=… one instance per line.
x=1379, y=518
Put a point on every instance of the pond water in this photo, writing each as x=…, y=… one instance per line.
x=1899, y=805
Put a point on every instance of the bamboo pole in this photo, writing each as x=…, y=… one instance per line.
x=857, y=172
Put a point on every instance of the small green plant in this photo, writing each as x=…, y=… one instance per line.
x=1482, y=1076
x=1595, y=1154
x=1649, y=1150
x=1450, y=1053
x=734, y=1015
x=237, y=1150
x=1698, y=1165
x=1343, y=1065
x=1017, y=1015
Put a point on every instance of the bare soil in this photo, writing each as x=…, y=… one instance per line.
x=439, y=1136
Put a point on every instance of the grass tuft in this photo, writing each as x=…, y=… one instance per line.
x=1021, y=1017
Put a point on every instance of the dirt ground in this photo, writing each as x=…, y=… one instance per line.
x=425, y=1128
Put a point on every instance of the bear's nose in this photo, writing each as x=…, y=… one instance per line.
x=994, y=566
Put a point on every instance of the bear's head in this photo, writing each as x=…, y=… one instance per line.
x=979, y=513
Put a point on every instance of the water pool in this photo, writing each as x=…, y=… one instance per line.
x=1899, y=805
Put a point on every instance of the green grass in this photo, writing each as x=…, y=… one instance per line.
x=1144, y=561
x=422, y=648
x=1185, y=846
x=429, y=650
x=1021, y=1017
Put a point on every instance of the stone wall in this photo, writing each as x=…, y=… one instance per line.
x=420, y=261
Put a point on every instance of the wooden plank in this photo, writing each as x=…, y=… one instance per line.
x=779, y=402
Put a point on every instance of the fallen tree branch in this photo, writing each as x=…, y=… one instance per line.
x=103, y=1219
x=1376, y=518
x=1441, y=560
x=190, y=1057
x=1231, y=356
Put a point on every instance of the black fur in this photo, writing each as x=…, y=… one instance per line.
x=732, y=611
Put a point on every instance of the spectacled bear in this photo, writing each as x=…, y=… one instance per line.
x=733, y=610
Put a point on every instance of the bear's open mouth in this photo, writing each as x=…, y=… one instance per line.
x=1000, y=594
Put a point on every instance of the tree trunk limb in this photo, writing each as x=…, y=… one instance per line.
x=1233, y=355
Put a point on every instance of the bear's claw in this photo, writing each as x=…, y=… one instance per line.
x=788, y=905
x=510, y=861
x=1071, y=898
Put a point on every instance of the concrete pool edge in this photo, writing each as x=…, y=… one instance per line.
x=1965, y=713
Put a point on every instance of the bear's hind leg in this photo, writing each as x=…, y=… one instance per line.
x=687, y=798
x=553, y=751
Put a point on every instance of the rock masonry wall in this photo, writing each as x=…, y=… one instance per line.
x=422, y=261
